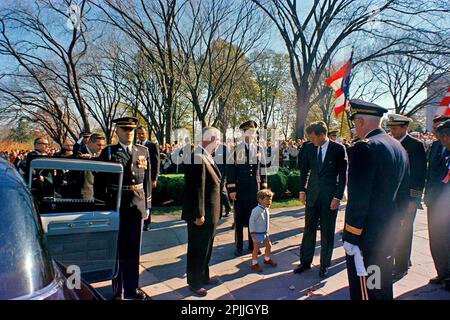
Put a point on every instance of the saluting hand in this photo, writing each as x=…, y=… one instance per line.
x=199, y=221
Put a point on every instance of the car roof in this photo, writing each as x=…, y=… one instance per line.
x=75, y=164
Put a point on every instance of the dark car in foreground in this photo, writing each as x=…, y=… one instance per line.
x=45, y=241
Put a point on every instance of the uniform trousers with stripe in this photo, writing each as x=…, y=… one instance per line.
x=130, y=233
x=366, y=288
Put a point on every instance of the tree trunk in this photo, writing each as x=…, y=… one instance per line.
x=301, y=114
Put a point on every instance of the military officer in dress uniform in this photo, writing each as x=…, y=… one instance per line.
x=433, y=189
x=415, y=149
x=134, y=207
x=245, y=177
x=378, y=165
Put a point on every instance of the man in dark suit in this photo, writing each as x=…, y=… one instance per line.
x=324, y=166
x=433, y=190
x=201, y=210
x=41, y=186
x=134, y=206
x=377, y=181
x=245, y=177
x=442, y=205
x=155, y=160
x=398, y=125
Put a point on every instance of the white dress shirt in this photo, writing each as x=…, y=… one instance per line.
x=324, y=149
x=129, y=148
x=402, y=138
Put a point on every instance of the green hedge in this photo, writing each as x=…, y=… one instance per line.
x=294, y=183
x=278, y=183
x=170, y=187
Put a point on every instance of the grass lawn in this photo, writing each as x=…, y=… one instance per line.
x=176, y=210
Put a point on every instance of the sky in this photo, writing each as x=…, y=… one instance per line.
x=275, y=43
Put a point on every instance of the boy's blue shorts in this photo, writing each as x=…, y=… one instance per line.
x=261, y=237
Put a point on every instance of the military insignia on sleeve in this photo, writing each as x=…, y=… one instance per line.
x=142, y=162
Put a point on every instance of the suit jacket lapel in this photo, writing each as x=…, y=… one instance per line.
x=327, y=155
x=212, y=167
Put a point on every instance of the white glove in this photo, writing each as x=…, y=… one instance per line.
x=351, y=250
x=147, y=214
x=348, y=247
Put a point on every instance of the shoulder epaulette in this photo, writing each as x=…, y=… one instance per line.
x=363, y=140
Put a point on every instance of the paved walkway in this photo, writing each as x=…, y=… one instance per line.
x=163, y=264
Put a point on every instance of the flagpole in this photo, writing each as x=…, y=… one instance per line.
x=343, y=113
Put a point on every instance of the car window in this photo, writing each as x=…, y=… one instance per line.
x=60, y=191
x=25, y=263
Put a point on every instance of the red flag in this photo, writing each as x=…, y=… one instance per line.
x=444, y=107
x=339, y=81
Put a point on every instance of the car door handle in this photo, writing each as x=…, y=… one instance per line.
x=83, y=224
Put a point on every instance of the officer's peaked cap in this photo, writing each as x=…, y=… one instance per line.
x=441, y=118
x=126, y=122
x=398, y=119
x=358, y=106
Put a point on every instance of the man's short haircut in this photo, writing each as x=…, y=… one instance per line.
x=141, y=127
x=317, y=127
x=96, y=136
x=208, y=132
x=264, y=193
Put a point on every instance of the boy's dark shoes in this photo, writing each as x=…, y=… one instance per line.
x=270, y=262
x=256, y=268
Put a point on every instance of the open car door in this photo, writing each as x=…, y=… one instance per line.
x=81, y=227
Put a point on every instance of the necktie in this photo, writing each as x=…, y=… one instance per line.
x=319, y=157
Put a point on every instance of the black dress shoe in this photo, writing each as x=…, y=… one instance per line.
x=199, y=291
x=238, y=252
x=212, y=281
x=437, y=280
x=323, y=272
x=302, y=267
x=146, y=228
x=136, y=295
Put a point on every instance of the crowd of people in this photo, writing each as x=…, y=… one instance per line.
x=385, y=175
x=289, y=151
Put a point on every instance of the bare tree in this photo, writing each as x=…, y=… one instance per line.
x=312, y=34
x=150, y=26
x=46, y=58
x=212, y=40
x=405, y=80
x=271, y=73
